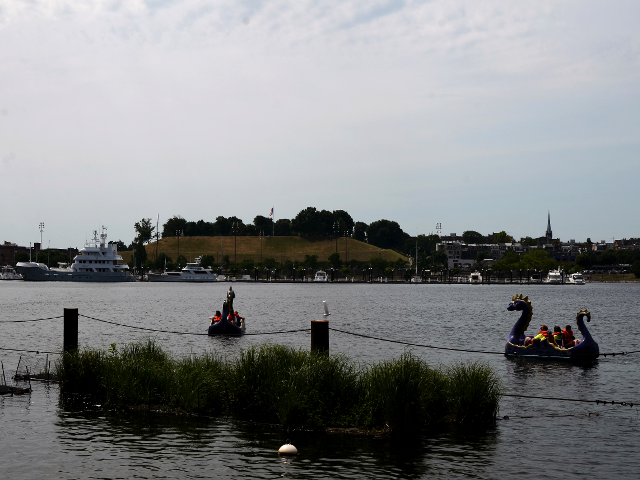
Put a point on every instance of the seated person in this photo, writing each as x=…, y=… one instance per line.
x=235, y=318
x=542, y=334
x=569, y=339
x=558, y=336
x=216, y=318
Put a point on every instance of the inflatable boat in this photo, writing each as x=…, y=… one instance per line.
x=586, y=351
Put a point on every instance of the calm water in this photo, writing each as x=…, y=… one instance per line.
x=541, y=439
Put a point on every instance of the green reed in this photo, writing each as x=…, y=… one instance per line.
x=295, y=388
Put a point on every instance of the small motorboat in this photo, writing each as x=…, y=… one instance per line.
x=587, y=350
x=224, y=326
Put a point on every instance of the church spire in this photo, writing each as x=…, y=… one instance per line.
x=549, y=234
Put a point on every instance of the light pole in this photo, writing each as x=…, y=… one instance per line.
x=41, y=226
x=178, y=234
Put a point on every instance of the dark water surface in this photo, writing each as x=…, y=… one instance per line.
x=541, y=439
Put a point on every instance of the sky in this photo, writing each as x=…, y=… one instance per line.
x=479, y=115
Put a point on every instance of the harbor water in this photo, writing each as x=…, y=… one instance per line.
x=533, y=438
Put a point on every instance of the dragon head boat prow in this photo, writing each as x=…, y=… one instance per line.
x=586, y=350
x=520, y=303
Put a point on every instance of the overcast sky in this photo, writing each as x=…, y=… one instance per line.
x=481, y=115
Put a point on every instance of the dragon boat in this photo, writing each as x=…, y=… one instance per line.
x=587, y=350
x=224, y=326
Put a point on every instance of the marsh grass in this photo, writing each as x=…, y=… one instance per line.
x=295, y=388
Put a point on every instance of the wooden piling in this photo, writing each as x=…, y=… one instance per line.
x=70, y=341
x=320, y=336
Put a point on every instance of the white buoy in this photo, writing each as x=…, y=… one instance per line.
x=288, y=449
x=326, y=308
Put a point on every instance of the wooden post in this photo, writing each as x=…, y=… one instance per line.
x=320, y=336
x=70, y=329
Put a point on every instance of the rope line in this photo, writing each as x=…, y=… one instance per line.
x=414, y=344
x=186, y=333
x=613, y=354
x=28, y=351
x=32, y=320
x=597, y=402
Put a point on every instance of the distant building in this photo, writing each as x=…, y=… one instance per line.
x=9, y=251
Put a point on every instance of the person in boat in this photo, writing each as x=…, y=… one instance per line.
x=230, y=296
x=569, y=338
x=235, y=318
x=542, y=335
x=558, y=336
x=216, y=318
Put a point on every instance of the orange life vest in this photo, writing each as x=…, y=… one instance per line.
x=568, y=336
x=216, y=318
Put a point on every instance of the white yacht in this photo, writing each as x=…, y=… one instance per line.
x=321, y=276
x=575, y=279
x=192, y=272
x=8, y=273
x=475, y=277
x=97, y=261
x=554, y=277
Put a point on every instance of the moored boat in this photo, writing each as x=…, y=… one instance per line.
x=554, y=277
x=97, y=261
x=192, y=272
x=8, y=273
x=321, y=276
x=575, y=279
x=475, y=278
x=587, y=350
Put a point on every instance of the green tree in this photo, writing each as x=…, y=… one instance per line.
x=399, y=263
x=583, y=261
x=271, y=263
x=439, y=259
x=144, y=230
x=538, y=260
x=345, y=222
x=311, y=261
x=247, y=264
x=502, y=237
x=263, y=224
x=162, y=260
x=208, y=261
x=226, y=261
x=528, y=242
x=334, y=260
x=635, y=268
x=181, y=262
x=175, y=223
x=386, y=234
x=360, y=231
x=471, y=236
x=140, y=254
x=378, y=264
x=283, y=227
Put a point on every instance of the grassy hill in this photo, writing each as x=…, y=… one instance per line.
x=280, y=248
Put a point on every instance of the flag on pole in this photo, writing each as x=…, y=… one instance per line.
x=271, y=212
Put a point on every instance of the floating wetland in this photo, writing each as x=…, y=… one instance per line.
x=295, y=388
